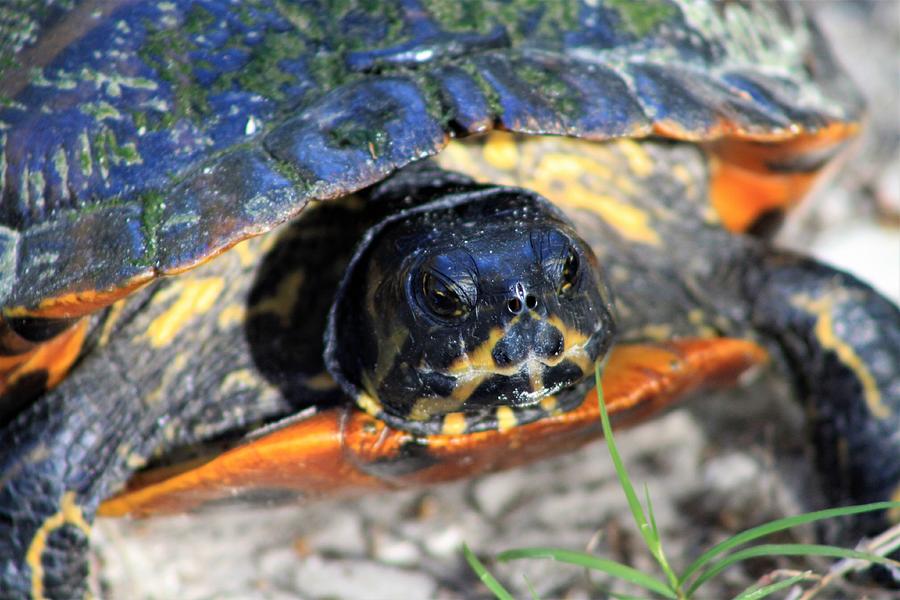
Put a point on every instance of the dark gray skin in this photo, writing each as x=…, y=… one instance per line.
x=142, y=395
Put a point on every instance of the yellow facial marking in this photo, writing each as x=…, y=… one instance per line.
x=389, y=347
x=549, y=404
x=195, y=297
x=476, y=366
x=390, y=339
x=426, y=408
x=466, y=384
x=828, y=337
x=480, y=359
x=573, y=339
x=454, y=424
x=535, y=380
x=282, y=303
x=506, y=418
x=369, y=404
x=69, y=514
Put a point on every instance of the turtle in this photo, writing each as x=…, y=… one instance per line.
x=278, y=250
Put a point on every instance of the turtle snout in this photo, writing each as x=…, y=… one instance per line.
x=529, y=337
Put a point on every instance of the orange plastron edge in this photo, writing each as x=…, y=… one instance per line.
x=343, y=451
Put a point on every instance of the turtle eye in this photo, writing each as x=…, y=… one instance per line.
x=441, y=299
x=569, y=275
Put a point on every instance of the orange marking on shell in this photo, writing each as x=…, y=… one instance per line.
x=327, y=454
x=78, y=304
x=54, y=356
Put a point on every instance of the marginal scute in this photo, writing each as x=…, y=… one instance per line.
x=238, y=196
x=466, y=104
x=73, y=254
x=699, y=104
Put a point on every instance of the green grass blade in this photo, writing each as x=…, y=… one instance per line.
x=783, y=550
x=780, y=525
x=619, y=596
x=595, y=563
x=647, y=529
x=634, y=504
x=650, y=514
x=755, y=592
x=489, y=580
x=657, y=550
x=531, y=591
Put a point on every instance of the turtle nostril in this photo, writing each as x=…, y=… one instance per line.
x=514, y=305
x=530, y=301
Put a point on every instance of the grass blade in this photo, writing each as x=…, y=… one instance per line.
x=755, y=592
x=783, y=550
x=531, y=591
x=489, y=580
x=650, y=515
x=634, y=504
x=780, y=525
x=595, y=563
x=648, y=530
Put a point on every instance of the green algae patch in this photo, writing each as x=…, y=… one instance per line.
x=167, y=51
x=347, y=135
x=153, y=203
x=554, y=89
x=263, y=74
x=640, y=18
x=490, y=94
x=546, y=18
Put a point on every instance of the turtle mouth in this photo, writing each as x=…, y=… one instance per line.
x=535, y=380
x=553, y=380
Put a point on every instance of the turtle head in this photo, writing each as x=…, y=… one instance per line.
x=478, y=310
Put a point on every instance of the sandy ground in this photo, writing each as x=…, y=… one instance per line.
x=721, y=465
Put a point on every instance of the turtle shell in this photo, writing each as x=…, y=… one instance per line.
x=142, y=138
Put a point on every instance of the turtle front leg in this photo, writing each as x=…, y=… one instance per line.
x=842, y=342
x=58, y=459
